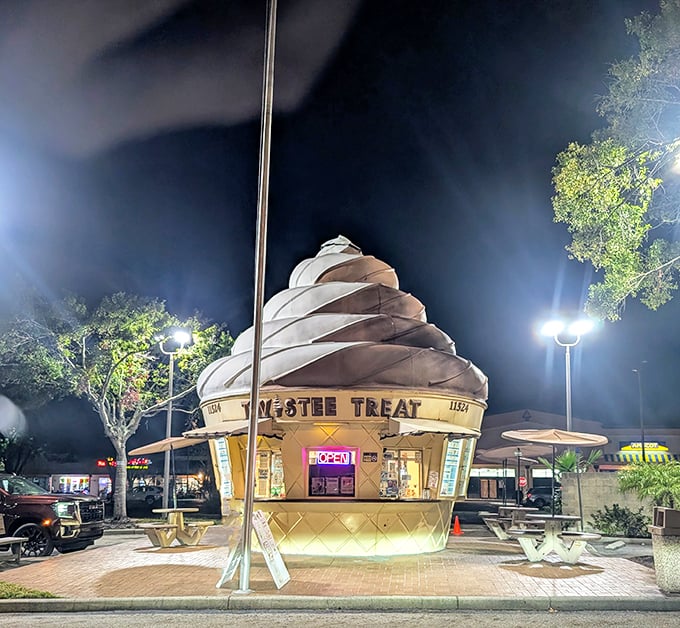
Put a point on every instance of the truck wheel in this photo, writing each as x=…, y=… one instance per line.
x=38, y=544
x=150, y=500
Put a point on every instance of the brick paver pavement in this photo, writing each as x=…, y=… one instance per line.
x=468, y=567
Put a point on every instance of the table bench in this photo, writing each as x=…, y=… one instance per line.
x=497, y=525
x=160, y=534
x=15, y=544
x=192, y=533
x=567, y=544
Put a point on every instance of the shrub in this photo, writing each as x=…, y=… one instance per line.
x=659, y=482
x=621, y=521
x=9, y=590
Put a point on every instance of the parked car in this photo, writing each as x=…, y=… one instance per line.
x=49, y=521
x=540, y=496
x=145, y=494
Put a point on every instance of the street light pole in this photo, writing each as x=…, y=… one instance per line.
x=518, y=455
x=168, y=434
x=638, y=372
x=574, y=330
x=558, y=330
x=181, y=338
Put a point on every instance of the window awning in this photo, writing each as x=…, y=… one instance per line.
x=225, y=428
x=408, y=426
x=635, y=456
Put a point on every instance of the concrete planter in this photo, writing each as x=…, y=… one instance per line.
x=666, y=547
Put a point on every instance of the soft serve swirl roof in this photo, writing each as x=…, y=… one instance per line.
x=344, y=323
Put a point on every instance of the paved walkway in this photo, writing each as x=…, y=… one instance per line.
x=473, y=567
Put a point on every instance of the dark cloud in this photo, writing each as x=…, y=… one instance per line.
x=79, y=76
x=423, y=131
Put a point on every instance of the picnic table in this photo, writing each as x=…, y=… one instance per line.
x=537, y=543
x=176, y=528
x=506, y=518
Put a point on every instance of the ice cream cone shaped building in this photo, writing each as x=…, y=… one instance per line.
x=368, y=417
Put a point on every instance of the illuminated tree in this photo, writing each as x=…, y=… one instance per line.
x=619, y=195
x=108, y=356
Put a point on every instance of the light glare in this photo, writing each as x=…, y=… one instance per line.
x=552, y=328
x=580, y=327
x=181, y=336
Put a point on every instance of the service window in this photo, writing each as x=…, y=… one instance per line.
x=331, y=472
x=401, y=475
x=269, y=480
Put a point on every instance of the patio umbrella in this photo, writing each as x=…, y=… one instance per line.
x=558, y=438
x=167, y=444
x=509, y=452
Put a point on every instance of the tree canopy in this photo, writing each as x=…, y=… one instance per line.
x=109, y=355
x=619, y=195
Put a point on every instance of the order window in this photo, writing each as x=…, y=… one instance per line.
x=401, y=475
x=331, y=472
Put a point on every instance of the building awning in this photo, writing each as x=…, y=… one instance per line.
x=409, y=426
x=224, y=428
x=636, y=456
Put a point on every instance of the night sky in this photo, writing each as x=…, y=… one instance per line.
x=423, y=131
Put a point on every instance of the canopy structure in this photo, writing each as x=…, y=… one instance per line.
x=167, y=444
x=562, y=438
x=411, y=425
x=556, y=437
x=224, y=428
x=527, y=452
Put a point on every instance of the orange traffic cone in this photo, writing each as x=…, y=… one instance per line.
x=456, y=527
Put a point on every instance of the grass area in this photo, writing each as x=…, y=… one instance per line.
x=9, y=591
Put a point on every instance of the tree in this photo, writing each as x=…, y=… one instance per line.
x=569, y=461
x=659, y=482
x=16, y=450
x=619, y=195
x=109, y=356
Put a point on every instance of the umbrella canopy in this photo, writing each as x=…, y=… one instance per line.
x=167, y=444
x=556, y=437
x=529, y=450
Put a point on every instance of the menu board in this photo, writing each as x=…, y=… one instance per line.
x=451, y=468
x=223, y=465
x=464, y=475
x=272, y=556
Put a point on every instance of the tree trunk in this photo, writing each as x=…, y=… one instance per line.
x=120, y=492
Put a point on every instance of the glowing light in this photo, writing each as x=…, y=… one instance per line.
x=580, y=327
x=552, y=328
x=333, y=457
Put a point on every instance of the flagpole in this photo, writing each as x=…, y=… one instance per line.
x=260, y=259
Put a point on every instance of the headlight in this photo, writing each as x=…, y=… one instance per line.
x=65, y=509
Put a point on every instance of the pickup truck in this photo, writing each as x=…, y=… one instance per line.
x=49, y=521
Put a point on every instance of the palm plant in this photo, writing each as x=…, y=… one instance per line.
x=570, y=461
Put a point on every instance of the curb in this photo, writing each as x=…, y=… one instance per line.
x=350, y=603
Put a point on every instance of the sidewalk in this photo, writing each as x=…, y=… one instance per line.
x=474, y=572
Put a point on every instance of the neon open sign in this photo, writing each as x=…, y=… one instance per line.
x=333, y=457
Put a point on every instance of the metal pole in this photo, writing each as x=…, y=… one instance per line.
x=567, y=368
x=642, y=420
x=518, y=453
x=260, y=258
x=168, y=434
